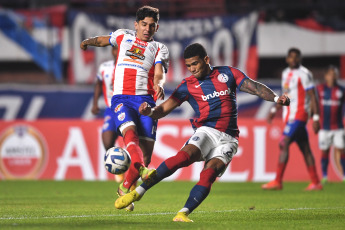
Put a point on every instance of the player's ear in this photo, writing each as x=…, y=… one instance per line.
x=136, y=25
x=157, y=27
x=207, y=60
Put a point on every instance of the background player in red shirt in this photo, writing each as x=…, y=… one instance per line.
x=331, y=99
x=211, y=91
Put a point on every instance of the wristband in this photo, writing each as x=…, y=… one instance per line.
x=276, y=99
x=316, y=117
x=273, y=110
x=151, y=112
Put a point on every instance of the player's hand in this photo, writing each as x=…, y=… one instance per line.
x=284, y=100
x=83, y=46
x=145, y=109
x=95, y=110
x=159, y=92
x=316, y=126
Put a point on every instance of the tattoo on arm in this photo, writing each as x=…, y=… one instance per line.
x=257, y=88
x=92, y=41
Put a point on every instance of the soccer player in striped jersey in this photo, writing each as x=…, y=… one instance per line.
x=139, y=77
x=211, y=91
x=298, y=84
x=331, y=100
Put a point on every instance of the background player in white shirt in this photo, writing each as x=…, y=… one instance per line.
x=298, y=84
x=139, y=76
x=104, y=83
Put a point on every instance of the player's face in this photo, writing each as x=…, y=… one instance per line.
x=198, y=67
x=114, y=52
x=293, y=60
x=330, y=77
x=146, y=28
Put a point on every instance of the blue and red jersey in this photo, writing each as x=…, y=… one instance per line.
x=213, y=98
x=331, y=101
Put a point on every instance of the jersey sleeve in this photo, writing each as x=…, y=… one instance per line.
x=181, y=93
x=239, y=76
x=114, y=35
x=308, y=81
x=163, y=57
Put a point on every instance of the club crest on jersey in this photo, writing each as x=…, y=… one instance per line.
x=121, y=116
x=118, y=108
x=223, y=77
x=135, y=53
x=216, y=94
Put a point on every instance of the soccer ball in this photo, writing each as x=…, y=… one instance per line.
x=117, y=160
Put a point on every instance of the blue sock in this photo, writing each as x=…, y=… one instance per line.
x=324, y=165
x=196, y=196
x=162, y=172
x=342, y=162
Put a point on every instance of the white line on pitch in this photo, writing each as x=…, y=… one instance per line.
x=161, y=213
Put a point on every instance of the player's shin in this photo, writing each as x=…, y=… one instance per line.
x=201, y=190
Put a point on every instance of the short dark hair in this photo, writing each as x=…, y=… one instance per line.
x=193, y=50
x=294, y=50
x=334, y=68
x=147, y=11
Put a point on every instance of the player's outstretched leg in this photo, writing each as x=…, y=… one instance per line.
x=182, y=217
x=165, y=169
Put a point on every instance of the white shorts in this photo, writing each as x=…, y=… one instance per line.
x=327, y=138
x=214, y=144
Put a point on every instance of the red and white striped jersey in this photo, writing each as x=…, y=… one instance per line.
x=295, y=83
x=105, y=74
x=135, y=63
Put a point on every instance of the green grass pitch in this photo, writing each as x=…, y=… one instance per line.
x=90, y=205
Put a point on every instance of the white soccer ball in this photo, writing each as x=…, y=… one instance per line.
x=117, y=160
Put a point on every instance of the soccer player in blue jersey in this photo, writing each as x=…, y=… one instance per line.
x=332, y=133
x=211, y=91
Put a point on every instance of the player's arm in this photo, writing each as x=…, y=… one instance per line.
x=159, y=111
x=96, y=94
x=99, y=41
x=256, y=88
x=158, y=81
x=314, y=106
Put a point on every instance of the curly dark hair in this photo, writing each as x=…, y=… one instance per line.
x=147, y=11
x=193, y=50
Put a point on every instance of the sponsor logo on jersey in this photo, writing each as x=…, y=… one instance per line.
x=329, y=102
x=216, y=94
x=129, y=40
x=135, y=53
x=139, y=45
x=223, y=77
x=118, y=107
x=121, y=116
x=22, y=153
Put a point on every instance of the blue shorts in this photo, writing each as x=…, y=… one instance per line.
x=126, y=109
x=109, y=120
x=296, y=130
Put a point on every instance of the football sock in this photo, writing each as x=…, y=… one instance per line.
x=169, y=166
x=313, y=174
x=132, y=144
x=280, y=172
x=342, y=162
x=324, y=164
x=201, y=190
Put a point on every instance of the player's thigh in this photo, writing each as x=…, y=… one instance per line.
x=339, y=139
x=296, y=131
x=147, y=128
x=325, y=139
x=109, y=138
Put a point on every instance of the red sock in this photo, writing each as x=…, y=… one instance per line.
x=280, y=172
x=207, y=177
x=313, y=174
x=181, y=159
x=132, y=143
